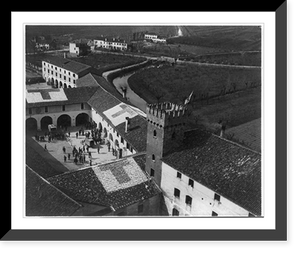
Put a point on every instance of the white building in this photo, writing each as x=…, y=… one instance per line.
x=200, y=174
x=124, y=126
x=78, y=49
x=63, y=72
x=111, y=43
x=150, y=36
x=154, y=37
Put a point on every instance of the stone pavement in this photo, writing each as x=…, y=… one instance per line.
x=55, y=148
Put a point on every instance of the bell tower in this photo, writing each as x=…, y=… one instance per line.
x=165, y=131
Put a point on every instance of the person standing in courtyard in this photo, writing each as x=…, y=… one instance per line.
x=65, y=158
x=69, y=155
x=45, y=147
x=98, y=149
x=64, y=149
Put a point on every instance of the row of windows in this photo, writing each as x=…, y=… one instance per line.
x=175, y=212
x=59, y=69
x=63, y=108
x=191, y=182
x=60, y=76
x=188, y=199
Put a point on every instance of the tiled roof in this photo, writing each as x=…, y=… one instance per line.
x=43, y=199
x=102, y=100
x=117, y=184
x=68, y=64
x=248, y=134
x=70, y=96
x=136, y=134
x=229, y=169
x=36, y=162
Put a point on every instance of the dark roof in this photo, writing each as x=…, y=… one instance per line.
x=140, y=160
x=38, y=163
x=136, y=134
x=87, y=80
x=248, y=134
x=227, y=168
x=68, y=64
x=117, y=184
x=94, y=79
x=43, y=199
x=73, y=95
x=103, y=100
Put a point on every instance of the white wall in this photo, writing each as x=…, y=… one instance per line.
x=59, y=74
x=203, y=202
x=55, y=112
x=110, y=130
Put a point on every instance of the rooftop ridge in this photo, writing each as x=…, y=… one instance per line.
x=237, y=144
x=46, y=181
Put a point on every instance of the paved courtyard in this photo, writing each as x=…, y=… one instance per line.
x=55, y=148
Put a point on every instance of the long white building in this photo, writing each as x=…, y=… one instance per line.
x=63, y=72
x=111, y=43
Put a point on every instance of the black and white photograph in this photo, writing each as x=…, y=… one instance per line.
x=143, y=120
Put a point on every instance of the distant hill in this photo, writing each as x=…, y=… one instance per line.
x=225, y=37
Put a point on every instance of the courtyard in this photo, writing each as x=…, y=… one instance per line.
x=62, y=150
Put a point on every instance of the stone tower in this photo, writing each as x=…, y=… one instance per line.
x=165, y=131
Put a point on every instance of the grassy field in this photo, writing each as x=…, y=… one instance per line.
x=102, y=62
x=219, y=93
x=176, y=83
x=105, y=61
x=235, y=38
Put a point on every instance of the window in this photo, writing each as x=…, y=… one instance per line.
x=46, y=109
x=154, y=133
x=82, y=106
x=153, y=157
x=140, y=208
x=175, y=212
x=122, y=140
x=214, y=213
x=176, y=193
x=152, y=172
x=74, y=81
x=173, y=135
x=191, y=183
x=217, y=197
x=63, y=107
x=178, y=175
x=74, y=75
x=69, y=79
x=188, y=200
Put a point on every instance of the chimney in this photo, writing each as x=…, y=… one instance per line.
x=223, y=127
x=127, y=124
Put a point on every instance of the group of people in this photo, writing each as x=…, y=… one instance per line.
x=49, y=136
x=79, y=155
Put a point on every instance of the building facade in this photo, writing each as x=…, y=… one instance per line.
x=111, y=43
x=200, y=174
x=78, y=49
x=63, y=72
